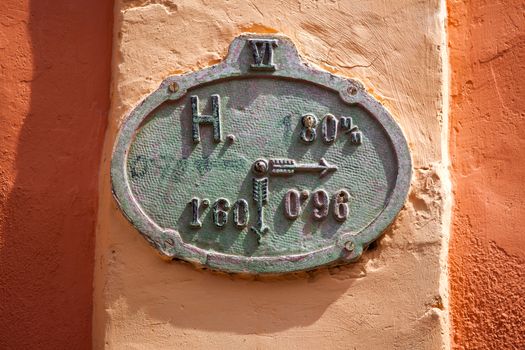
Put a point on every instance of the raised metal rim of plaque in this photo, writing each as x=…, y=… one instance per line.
x=346, y=248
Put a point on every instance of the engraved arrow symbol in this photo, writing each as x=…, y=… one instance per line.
x=260, y=197
x=290, y=167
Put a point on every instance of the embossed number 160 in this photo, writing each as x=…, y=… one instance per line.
x=220, y=212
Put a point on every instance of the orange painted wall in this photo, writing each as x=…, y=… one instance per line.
x=54, y=96
x=487, y=251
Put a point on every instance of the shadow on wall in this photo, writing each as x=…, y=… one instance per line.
x=179, y=294
x=49, y=216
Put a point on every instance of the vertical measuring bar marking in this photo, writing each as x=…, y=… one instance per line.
x=260, y=197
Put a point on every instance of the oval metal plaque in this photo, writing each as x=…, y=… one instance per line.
x=260, y=164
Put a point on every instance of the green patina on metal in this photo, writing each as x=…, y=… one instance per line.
x=260, y=164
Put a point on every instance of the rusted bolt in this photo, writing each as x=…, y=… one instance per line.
x=342, y=197
x=205, y=202
x=231, y=138
x=174, y=87
x=260, y=167
x=309, y=121
x=305, y=194
x=349, y=246
x=352, y=90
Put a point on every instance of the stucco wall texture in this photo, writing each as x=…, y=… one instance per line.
x=487, y=252
x=395, y=297
x=54, y=97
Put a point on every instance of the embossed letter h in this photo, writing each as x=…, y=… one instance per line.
x=214, y=119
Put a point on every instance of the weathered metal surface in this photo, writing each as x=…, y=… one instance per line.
x=260, y=164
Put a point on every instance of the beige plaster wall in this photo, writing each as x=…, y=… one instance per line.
x=395, y=297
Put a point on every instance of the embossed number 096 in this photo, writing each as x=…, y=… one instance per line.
x=320, y=203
